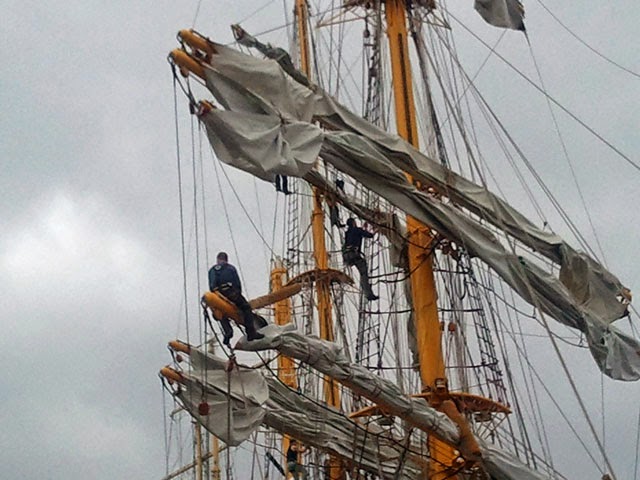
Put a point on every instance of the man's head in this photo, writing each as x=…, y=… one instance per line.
x=222, y=257
x=351, y=222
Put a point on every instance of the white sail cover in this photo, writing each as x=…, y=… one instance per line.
x=235, y=399
x=317, y=425
x=502, y=13
x=257, y=91
x=328, y=358
x=285, y=148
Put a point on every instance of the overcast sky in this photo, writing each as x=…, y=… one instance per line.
x=90, y=253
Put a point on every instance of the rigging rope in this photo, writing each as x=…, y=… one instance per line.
x=182, y=242
x=164, y=423
x=486, y=108
x=255, y=12
x=574, y=35
x=195, y=16
x=578, y=436
x=635, y=468
x=244, y=209
x=547, y=328
x=566, y=155
x=195, y=214
x=552, y=99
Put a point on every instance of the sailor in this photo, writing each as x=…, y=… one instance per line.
x=295, y=468
x=352, y=255
x=223, y=277
x=282, y=184
x=334, y=213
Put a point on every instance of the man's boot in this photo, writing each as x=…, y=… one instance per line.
x=251, y=329
x=227, y=330
x=259, y=321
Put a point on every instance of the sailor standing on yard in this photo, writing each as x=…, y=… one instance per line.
x=352, y=255
x=224, y=278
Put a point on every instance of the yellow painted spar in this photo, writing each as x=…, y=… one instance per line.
x=286, y=365
x=221, y=307
x=423, y=289
x=187, y=63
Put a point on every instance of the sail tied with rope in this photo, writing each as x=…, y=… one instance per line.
x=269, y=126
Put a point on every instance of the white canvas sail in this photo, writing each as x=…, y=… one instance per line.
x=501, y=13
x=588, y=301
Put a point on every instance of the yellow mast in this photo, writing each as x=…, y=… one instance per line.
x=199, y=463
x=331, y=392
x=286, y=366
x=423, y=289
x=215, y=455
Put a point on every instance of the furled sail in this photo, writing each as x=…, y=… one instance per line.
x=290, y=413
x=327, y=357
x=322, y=427
x=235, y=399
x=268, y=124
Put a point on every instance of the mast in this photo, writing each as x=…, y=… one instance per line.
x=199, y=462
x=423, y=289
x=331, y=392
x=286, y=366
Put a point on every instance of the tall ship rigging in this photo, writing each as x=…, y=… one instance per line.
x=368, y=114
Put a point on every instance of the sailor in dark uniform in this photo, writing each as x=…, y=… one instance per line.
x=224, y=278
x=296, y=469
x=352, y=255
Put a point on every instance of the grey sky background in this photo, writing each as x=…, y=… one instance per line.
x=90, y=266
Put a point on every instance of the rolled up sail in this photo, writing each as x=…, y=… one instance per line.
x=262, y=86
x=260, y=94
x=290, y=413
x=327, y=357
x=316, y=425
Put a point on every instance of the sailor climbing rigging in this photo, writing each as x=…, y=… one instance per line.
x=224, y=278
x=293, y=466
x=352, y=255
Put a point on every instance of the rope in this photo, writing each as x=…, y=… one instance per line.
x=602, y=410
x=635, y=468
x=556, y=102
x=578, y=436
x=547, y=328
x=195, y=214
x=244, y=209
x=195, y=16
x=164, y=423
x=228, y=219
x=203, y=200
x=229, y=368
x=574, y=35
x=566, y=154
x=255, y=190
x=182, y=242
x=255, y=12
x=491, y=114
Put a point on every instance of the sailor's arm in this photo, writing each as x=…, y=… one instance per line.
x=365, y=233
x=235, y=279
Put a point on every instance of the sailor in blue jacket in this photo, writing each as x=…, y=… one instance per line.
x=352, y=255
x=224, y=277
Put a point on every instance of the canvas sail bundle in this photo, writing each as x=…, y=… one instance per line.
x=328, y=358
x=269, y=402
x=259, y=93
x=232, y=417
x=288, y=412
